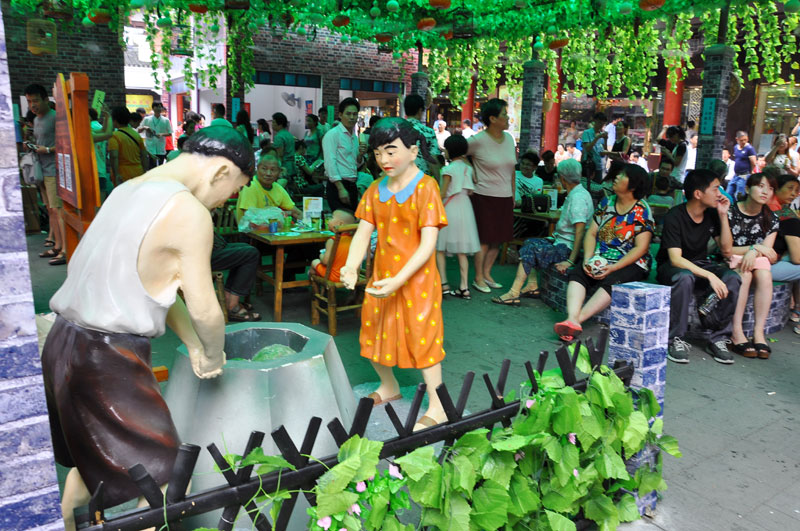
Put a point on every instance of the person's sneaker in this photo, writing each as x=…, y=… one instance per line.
x=719, y=351
x=679, y=351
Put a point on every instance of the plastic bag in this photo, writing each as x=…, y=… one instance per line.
x=31, y=168
x=259, y=216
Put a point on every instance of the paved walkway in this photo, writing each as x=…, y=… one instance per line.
x=737, y=425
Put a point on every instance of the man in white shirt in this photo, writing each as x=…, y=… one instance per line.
x=466, y=129
x=691, y=153
x=156, y=129
x=573, y=152
x=343, y=155
x=726, y=158
x=442, y=134
x=639, y=160
x=611, y=129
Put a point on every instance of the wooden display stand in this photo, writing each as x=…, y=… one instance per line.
x=76, y=167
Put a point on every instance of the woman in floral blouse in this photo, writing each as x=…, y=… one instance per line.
x=620, y=232
x=754, y=227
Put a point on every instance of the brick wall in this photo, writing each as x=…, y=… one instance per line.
x=328, y=57
x=28, y=484
x=94, y=51
x=533, y=82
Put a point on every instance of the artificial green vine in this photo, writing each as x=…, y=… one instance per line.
x=769, y=40
x=676, y=47
x=487, y=58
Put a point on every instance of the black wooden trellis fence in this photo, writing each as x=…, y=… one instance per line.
x=241, y=487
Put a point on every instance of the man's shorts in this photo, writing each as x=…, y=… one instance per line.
x=51, y=189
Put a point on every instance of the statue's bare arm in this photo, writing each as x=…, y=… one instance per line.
x=177, y=251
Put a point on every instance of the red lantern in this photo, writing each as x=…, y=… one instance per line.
x=448, y=35
x=57, y=9
x=198, y=8
x=426, y=24
x=341, y=20
x=383, y=37
x=288, y=19
x=100, y=16
x=440, y=4
x=651, y=5
x=558, y=43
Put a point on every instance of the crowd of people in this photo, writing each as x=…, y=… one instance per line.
x=606, y=204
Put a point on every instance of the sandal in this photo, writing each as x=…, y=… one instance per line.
x=494, y=285
x=795, y=316
x=462, y=294
x=49, y=243
x=446, y=289
x=763, y=350
x=531, y=293
x=50, y=253
x=482, y=289
x=240, y=314
x=511, y=301
x=61, y=259
x=424, y=423
x=745, y=349
x=567, y=330
x=378, y=399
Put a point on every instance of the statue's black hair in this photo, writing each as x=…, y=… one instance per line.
x=222, y=141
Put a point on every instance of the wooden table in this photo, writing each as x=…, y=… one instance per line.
x=276, y=280
x=551, y=218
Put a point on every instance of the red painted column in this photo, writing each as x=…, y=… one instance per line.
x=552, y=118
x=673, y=102
x=468, y=109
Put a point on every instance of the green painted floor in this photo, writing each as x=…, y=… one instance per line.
x=737, y=424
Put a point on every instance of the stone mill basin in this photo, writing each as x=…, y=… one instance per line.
x=249, y=396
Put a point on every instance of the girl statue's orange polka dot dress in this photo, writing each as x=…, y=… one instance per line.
x=404, y=329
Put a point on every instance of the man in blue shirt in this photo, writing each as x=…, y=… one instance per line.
x=744, y=163
x=593, y=142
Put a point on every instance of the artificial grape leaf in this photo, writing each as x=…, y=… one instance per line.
x=418, y=463
x=464, y=476
x=669, y=444
x=336, y=502
x=499, y=466
x=475, y=446
x=257, y=457
x=428, y=491
x=584, y=364
x=457, y=515
x=559, y=500
x=368, y=453
x=510, y=444
x=351, y=522
x=627, y=509
x=648, y=403
x=600, y=508
x=552, y=379
x=599, y=391
x=553, y=448
x=380, y=506
x=524, y=499
x=490, y=505
x=649, y=481
x=391, y=524
x=567, y=414
x=657, y=427
x=569, y=462
x=635, y=431
x=590, y=429
x=623, y=402
x=559, y=522
x=610, y=465
x=337, y=478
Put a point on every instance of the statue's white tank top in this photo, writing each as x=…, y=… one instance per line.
x=103, y=290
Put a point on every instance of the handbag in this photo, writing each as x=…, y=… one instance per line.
x=541, y=203
x=31, y=168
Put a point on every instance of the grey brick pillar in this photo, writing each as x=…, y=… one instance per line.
x=714, y=109
x=28, y=483
x=533, y=82
x=420, y=83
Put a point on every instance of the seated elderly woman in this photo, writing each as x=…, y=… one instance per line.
x=563, y=249
x=615, y=249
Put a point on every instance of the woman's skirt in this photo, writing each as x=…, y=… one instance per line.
x=495, y=218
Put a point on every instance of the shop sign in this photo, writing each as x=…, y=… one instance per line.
x=708, y=116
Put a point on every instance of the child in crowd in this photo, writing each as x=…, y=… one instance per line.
x=663, y=195
x=401, y=320
x=460, y=237
x=755, y=228
x=320, y=265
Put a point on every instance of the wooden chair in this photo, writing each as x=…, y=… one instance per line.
x=224, y=217
x=323, y=289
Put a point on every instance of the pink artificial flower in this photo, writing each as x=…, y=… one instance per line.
x=529, y=404
x=361, y=486
x=575, y=472
x=571, y=438
x=372, y=478
x=519, y=456
x=395, y=472
x=355, y=508
x=325, y=523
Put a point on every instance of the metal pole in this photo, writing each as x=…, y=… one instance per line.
x=722, y=35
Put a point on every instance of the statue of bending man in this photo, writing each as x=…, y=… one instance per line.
x=152, y=236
